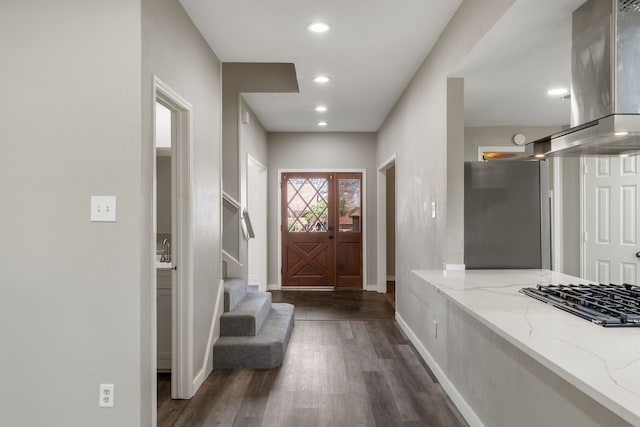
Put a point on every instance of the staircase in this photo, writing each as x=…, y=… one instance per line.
x=254, y=333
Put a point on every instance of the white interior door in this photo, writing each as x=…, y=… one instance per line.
x=611, y=219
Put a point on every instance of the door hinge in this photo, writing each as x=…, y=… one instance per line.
x=585, y=170
x=585, y=236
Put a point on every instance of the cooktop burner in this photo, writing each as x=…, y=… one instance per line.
x=606, y=305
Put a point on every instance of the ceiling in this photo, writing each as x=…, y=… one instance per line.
x=508, y=73
x=375, y=47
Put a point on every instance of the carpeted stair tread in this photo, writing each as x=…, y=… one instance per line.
x=265, y=350
x=234, y=292
x=247, y=317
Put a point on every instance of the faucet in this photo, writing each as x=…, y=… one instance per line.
x=166, y=251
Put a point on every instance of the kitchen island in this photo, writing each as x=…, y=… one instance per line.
x=508, y=359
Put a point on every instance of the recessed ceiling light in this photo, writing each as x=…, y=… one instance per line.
x=539, y=156
x=321, y=108
x=318, y=27
x=621, y=133
x=624, y=156
x=321, y=79
x=322, y=124
x=558, y=91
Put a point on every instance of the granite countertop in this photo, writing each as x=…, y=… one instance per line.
x=604, y=363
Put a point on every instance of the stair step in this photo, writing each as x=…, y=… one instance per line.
x=247, y=317
x=263, y=351
x=234, y=291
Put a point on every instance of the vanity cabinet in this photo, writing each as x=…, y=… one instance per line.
x=164, y=319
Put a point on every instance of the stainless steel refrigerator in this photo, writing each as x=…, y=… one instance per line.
x=506, y=215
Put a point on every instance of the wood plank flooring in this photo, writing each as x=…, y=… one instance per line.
x=348, y=364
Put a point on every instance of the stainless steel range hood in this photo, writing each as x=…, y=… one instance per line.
x=605, y=82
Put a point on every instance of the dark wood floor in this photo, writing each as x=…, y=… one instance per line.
x=348, y=364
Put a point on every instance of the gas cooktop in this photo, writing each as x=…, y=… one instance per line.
x=606, y=305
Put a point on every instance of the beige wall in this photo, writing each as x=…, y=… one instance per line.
x=174, y=50
x=71, y=291
x=321, y=151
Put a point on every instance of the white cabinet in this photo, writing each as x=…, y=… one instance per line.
x=164, y=320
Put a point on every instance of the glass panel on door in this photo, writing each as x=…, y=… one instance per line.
x=307, y=207
x=349, y=204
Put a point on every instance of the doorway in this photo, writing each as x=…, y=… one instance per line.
x=611, y=220
x=172, y=287
x=390, y=202
x=387, y=259
x=322, y=229
x=257, y=207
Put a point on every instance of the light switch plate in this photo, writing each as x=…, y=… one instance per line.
x=103, y=208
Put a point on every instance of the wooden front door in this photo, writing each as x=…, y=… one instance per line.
x=322, y=229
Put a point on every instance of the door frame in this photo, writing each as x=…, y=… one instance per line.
x=365, y=222
x=382, y=222
x=583, y=217
x=182, y=386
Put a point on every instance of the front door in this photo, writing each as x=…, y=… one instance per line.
x=612, y=213
x=322, y=229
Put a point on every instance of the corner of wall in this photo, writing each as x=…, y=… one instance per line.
x=214, y=334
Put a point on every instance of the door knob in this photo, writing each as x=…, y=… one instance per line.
x=331, y=237
x=638, y=254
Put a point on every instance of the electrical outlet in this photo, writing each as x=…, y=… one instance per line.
x=435, y=328
x=103, y=208
x=106, y=396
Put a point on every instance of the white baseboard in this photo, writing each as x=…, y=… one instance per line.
x=253, y=281
x=214, y=334
x=391, y=278
x=454, y=267
x=372, y=288
x=273, y=287
x=462, y=405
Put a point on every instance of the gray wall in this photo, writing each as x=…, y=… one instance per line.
x=569, y=193
x=174, y=50
x=163, y=173
x=455, y=172
x=253, y=141
x=571, y=198
x=500, y=136
x=71, y=292
x=417, y=131
x=239, y=77
x=485, y=369
x=328, y=151
x=570, y=189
